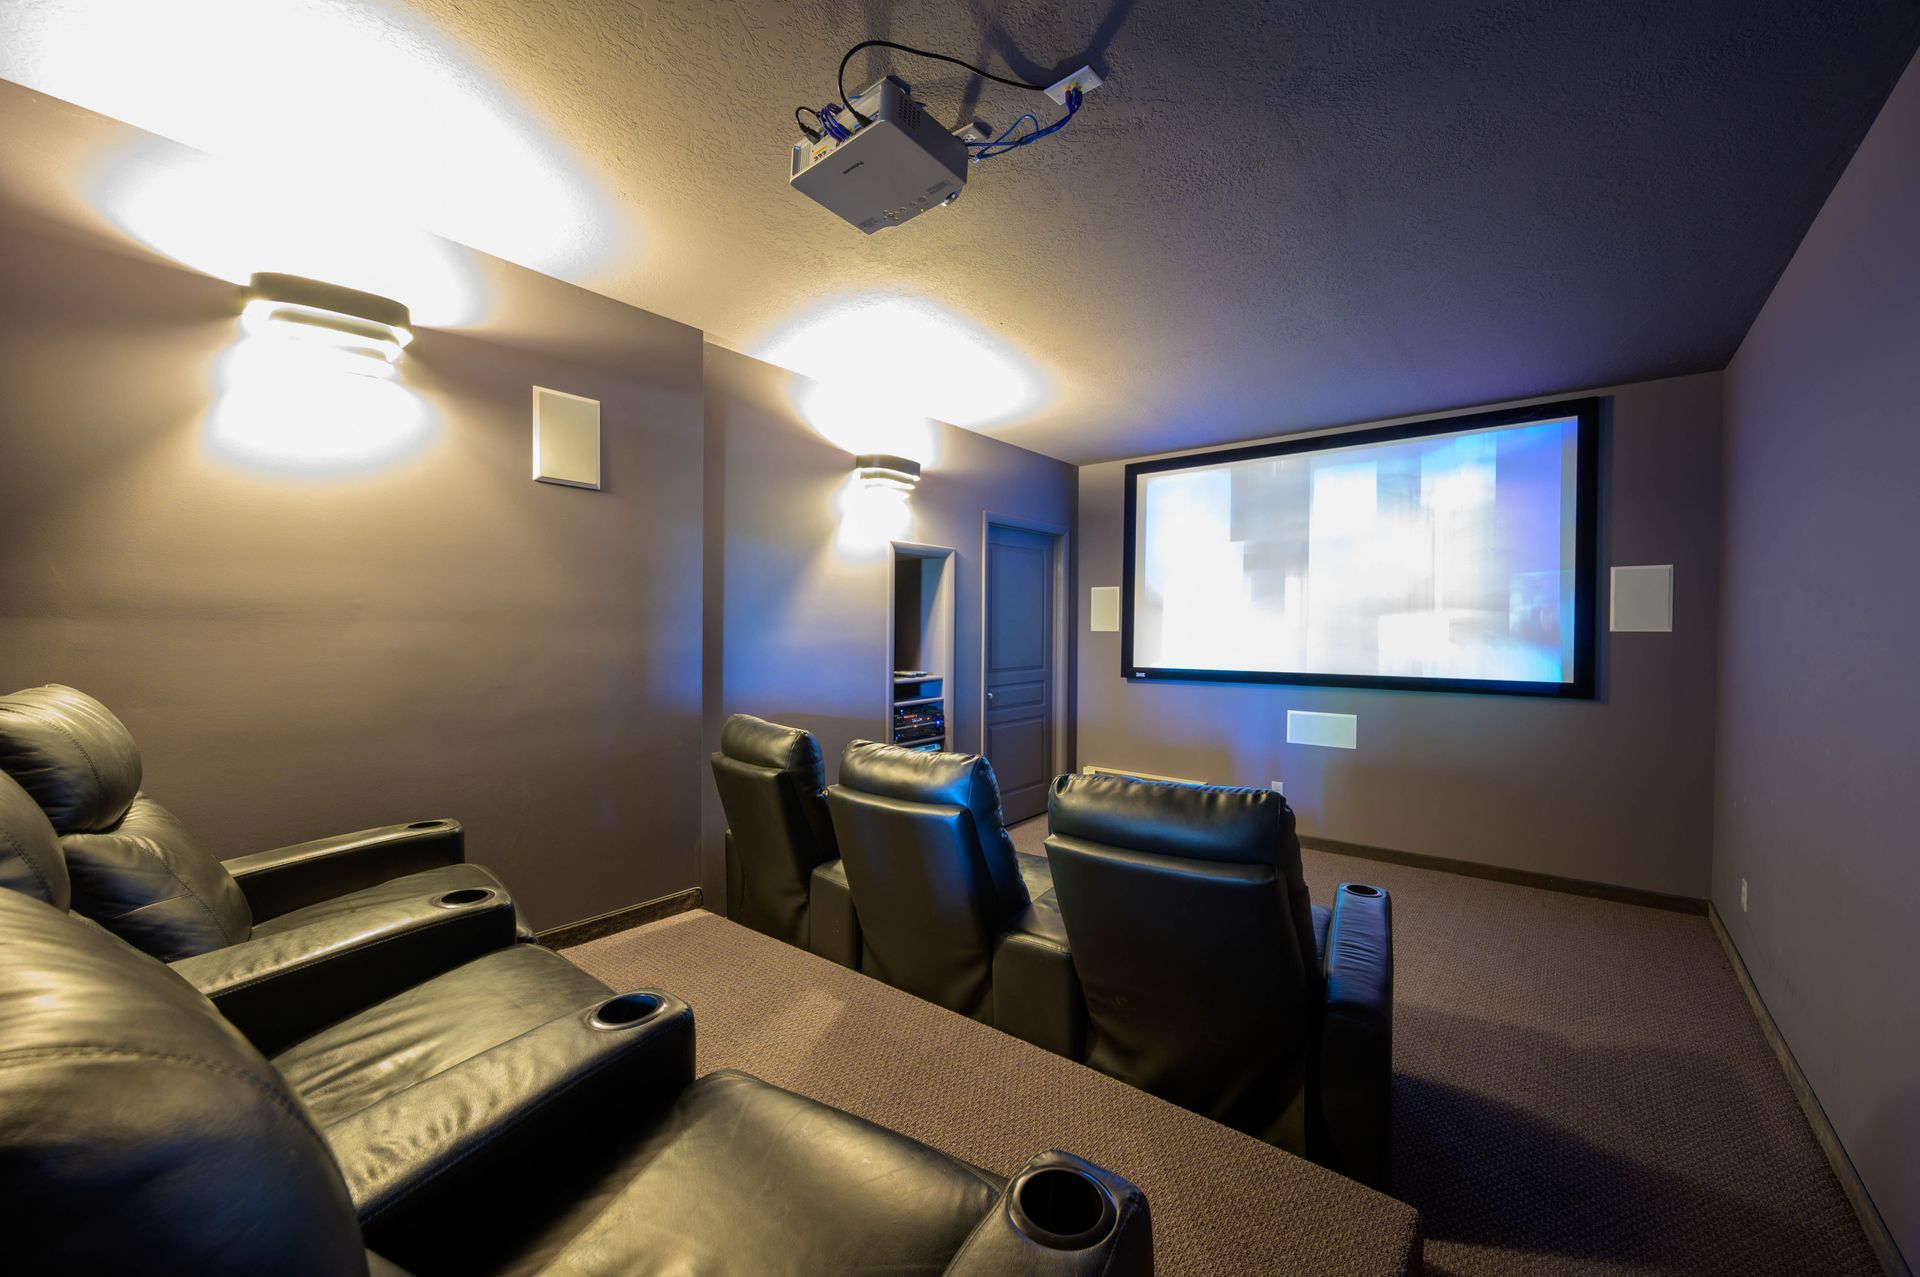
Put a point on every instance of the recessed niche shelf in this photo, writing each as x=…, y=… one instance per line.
x=920, y=652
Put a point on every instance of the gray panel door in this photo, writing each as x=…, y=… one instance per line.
x=1019, y=625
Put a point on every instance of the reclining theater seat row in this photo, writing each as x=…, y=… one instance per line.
x=512, y=1116
x=338, y=919
x=947, y=894
x=1178, y=951
x=363, y=1021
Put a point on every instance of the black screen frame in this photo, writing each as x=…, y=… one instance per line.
x=1586, y=415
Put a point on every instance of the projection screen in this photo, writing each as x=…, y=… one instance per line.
x=1451, y=555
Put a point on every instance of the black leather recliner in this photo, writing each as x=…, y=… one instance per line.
x=778, y=830
x=947, y=909
x=429, y=985
x=1211, y=979
x=284, y=941
x=140, y=1132
x=142, y=874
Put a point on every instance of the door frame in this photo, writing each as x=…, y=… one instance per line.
x=1062, y=744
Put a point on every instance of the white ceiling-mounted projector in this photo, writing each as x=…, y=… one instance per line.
x=887, y=160
x=890, y=169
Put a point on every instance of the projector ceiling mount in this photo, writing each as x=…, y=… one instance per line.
x=879, y=158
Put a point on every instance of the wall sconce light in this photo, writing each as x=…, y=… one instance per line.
x=877, y=470
x=309, y=388
x=371, y=329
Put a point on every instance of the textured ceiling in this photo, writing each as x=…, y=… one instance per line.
x=1275, y=216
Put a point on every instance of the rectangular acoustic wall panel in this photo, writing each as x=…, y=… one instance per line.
x=1105, y=609
x=1335, y=731
x=566, y=438
x=1643, y=599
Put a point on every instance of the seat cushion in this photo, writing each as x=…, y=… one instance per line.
x=1036, y=873
x=1322, y=918
x=432, y=1027
x=743, y=1177
x=428, y=882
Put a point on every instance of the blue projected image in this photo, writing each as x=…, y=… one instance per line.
x=1444, y=556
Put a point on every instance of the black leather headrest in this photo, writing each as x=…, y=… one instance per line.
x=1198, y=822
x=920, y=776
x=140, y=1130
x=747, y=739
x=942, y=780
x=30, y=858
x=70, y=752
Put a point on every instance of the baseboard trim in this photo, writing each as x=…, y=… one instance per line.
x=1518, y=877
x=1879, y=1237
x=619, y=920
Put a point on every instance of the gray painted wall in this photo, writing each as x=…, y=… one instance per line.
x=799, y=632
x=437, y=636
x=1819, y=699
x=1614, y=790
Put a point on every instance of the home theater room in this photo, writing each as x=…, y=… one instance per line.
x=1217, y=638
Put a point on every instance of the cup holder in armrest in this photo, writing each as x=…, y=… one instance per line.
x=626, y=1010
x=1359, y=889
x=428, y=824
x=1061, y=1208
x=466, y=896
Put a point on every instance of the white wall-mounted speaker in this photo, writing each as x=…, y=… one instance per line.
x=1104, y=609
x=1643, y=599
x=566, y=438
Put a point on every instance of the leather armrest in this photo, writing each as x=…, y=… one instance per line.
x=1353, y=1109
x=833, y=928
x=279, y=988
x=1036, y=992
x=1061, y=1217
x=533, y=1109
x=289, y=878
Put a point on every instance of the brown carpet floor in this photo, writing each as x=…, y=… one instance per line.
x=1221, y=1203
x=1581, y=1088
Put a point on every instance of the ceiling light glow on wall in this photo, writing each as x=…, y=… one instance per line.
x=372, y=330
x=225, y=217
x=913, y=354
x=897, y=474
x=460, y=156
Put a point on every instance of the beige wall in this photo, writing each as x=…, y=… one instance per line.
x=436, y=635
x=1819, y=697
x=1614, y=790
x=797, y=613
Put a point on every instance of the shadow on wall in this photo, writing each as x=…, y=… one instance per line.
x=1023, y=64
x=1891, y=1157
